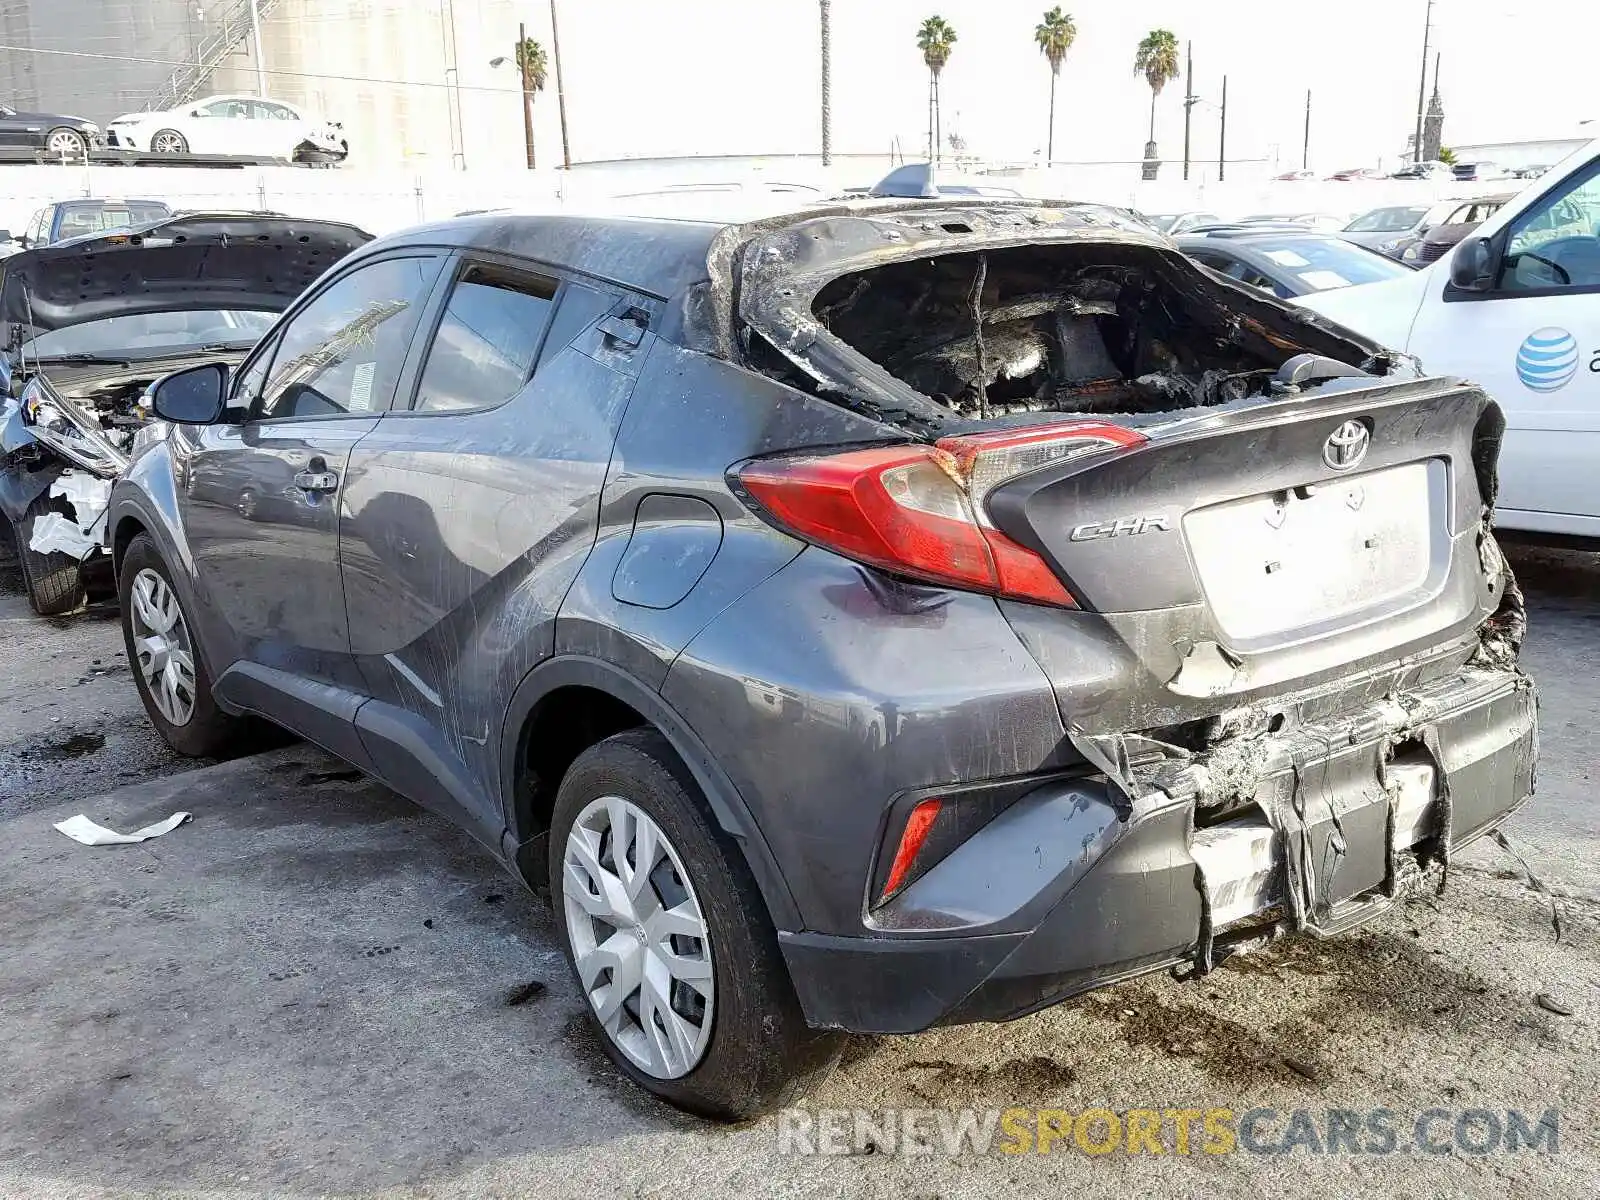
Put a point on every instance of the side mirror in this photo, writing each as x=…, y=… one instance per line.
x=24, y=241
x=191, y=397
x=1472, y=267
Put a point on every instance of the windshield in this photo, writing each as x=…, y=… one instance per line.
x=78, y=220
x=1387, y=220
x=151, y=335
x=1320, y=264
x=1163, y=223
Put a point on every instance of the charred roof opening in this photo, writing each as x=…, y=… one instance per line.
x=1102, y=328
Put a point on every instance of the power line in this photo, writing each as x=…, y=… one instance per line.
x=164, y=62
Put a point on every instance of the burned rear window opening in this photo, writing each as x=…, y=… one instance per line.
x=1103, y=328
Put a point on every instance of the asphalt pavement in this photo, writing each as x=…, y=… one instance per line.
x=316, y=988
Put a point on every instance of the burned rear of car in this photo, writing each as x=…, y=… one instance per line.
x=1249, y=552
x=89, y=325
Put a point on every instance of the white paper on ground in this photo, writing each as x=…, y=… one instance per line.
x=81, y=829
x=55, y=534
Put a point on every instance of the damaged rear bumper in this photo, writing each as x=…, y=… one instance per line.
x=1073, y=888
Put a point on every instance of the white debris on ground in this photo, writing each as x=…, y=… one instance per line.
x=84, y=831
x=90, y=497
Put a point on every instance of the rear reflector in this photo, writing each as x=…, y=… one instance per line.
x=918, y=825
x=919, y=511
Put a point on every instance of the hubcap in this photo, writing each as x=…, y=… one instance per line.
x=163, y=656
x=166, y=143
x=64, y=143
x=638, y=937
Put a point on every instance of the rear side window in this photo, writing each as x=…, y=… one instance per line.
x=488, y=339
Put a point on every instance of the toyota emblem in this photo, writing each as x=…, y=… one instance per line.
x=1346, y=446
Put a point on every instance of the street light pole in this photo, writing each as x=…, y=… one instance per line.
x=255, y=37
x=1189, y=99
x=1305, y=148
x=1222, y=135
x=561, y=96
x=1422, y=82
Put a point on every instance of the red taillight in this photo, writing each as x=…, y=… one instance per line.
x=919, y=510
x=918, y=825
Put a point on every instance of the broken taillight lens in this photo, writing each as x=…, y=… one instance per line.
x=919, y=511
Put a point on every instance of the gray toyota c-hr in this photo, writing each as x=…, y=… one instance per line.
x=895, y=614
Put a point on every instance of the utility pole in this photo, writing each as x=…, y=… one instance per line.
x=527, y=92
x=1222, y=135
x=1189, y=99
x=1305, y=148
x=561, y=96
x=1422, y=83
x=827, y=83
x=255, y=37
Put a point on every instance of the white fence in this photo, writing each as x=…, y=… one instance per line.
x=381, y=201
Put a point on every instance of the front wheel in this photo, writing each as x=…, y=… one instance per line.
x=167, y=668
x=54, y=580
x=67, y=143
x=669, y=938
x=169, y=141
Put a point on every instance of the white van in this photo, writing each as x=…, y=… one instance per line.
x=1516, y=308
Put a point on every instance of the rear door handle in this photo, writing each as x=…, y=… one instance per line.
x=317, y=478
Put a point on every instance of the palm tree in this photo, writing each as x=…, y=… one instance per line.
x=1157, y=61
x=1055, y=36
x=934, y=39
x=827, y=81
x=534, y=68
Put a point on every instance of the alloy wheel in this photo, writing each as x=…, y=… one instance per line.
x=167, y=142
x=65, y=142
x=164, y=653
x=638, y=937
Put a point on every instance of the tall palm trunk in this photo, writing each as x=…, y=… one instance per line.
x=827, y=82
x=938, y=122
x=1152, y=114
x=1050, y=138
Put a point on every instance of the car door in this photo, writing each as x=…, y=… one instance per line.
x=470, y=510
x=262, y=491
x=13, y=130
x=221, y=127
x=276, y=131
x=1533, y=340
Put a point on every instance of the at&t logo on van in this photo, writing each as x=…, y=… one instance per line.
x=1547, y=359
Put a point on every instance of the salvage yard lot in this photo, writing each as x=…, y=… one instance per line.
x=316, y=987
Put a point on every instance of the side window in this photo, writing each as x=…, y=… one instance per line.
x=221, y=108
x=1555, y=243
x=343, y=352
x=488, y=339
x=247, y=383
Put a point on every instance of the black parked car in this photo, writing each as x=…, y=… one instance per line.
x=86, y=326
x=59, y=136
x=880, y=616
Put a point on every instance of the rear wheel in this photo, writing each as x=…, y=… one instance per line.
x=169, y=141
x=54, y=580
x=66, y=143
x=669, y=938
x=166, y=665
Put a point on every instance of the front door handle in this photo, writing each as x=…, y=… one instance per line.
x=317, y=478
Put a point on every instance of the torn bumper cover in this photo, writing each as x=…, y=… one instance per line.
x=1338, y=819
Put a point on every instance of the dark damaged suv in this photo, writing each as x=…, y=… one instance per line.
x=893, y=615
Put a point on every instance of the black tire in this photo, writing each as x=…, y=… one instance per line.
x=54, y=581
x=761, y=1055
x=209, y=732
x=180, y=143
x=80, y=144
